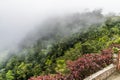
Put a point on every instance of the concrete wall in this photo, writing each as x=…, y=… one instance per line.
x=102, y=74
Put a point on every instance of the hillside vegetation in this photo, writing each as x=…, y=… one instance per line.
x=49, y=55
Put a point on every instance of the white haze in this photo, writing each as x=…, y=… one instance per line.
x=18, y=17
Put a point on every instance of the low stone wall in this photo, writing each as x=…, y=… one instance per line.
x=102, y=74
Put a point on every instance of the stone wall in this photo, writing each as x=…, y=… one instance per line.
x=102, y=74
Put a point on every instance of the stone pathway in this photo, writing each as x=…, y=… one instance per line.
x=114, y=76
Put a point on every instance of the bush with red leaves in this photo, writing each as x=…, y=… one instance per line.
x=49, y=77
x=89, y=64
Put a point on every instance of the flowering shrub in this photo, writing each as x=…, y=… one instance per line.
x=82, y=67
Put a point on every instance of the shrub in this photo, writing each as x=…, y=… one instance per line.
x=49, y=77
x=82, y=67
x=88, y=64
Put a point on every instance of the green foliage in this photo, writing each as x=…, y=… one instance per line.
x=23, y=69
x=75, y=52
x=2, y=75
x=48, y=66
x=116, y=50
x=9, y=75
x=61, y=66
x=117, y=41
x=36, y=70
x=87, y=48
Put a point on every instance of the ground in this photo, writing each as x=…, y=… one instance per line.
x=114, y=76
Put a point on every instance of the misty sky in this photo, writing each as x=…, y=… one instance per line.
x=18, y=17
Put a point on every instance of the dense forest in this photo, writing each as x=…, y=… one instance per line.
x=67, y=39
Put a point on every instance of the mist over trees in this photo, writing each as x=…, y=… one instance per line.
x=46, y=50
x=65, y=25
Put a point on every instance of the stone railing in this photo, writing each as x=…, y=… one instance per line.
x=102, y=74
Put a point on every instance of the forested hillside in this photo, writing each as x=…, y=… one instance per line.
x=75, y=36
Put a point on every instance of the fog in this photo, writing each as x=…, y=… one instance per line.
x=18, y=17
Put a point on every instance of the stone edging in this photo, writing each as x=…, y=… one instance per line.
x=102, y=74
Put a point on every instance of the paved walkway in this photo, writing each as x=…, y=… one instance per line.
x=114, y=76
